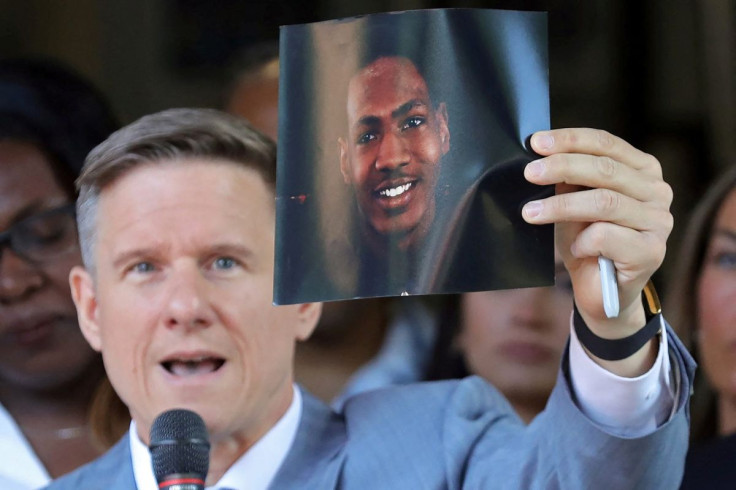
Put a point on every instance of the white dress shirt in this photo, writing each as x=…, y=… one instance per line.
x=254, y=470
x=20, y=468
x=629, y=406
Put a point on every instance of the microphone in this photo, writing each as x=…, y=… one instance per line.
x=180, y=450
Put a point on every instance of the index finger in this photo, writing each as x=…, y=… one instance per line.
x=594, y=142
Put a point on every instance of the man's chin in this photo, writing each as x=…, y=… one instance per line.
x=400, y=235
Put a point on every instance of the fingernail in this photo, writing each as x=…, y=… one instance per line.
x=532, y=209
x=534, y=169
x=544, y=141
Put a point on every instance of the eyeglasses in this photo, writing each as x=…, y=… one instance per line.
x=43, y=236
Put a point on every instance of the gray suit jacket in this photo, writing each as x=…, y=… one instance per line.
x=456, y=434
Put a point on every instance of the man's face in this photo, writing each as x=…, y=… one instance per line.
x=395, y=141
x=180, y=306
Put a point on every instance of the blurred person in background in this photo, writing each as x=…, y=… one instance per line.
x=512, y=338
x=358, y=345
x=703, y=305
x=49, y=376
x=254, y=90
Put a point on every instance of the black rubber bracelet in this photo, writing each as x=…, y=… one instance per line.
x=614, y=349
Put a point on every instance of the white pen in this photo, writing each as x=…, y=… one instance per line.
x=609, y=286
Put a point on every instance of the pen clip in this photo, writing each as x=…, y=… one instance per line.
x=609, y=286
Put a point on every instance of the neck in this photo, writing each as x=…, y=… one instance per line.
x=70, y=397
x=224, y=453
x=527, y=409
x=55, y=420
x=226, y=450
x=726, y=415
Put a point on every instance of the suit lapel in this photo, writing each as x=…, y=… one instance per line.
x=117, y=469
x=317, y=454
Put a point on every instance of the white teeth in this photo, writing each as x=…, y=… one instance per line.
x=395, y=191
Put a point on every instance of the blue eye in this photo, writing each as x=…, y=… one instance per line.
x=726, y=260
x=143, y=267
x=412, y=122
x=224, y=263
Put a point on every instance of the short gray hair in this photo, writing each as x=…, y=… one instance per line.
x=173, y=134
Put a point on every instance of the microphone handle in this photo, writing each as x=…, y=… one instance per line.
x=182, y=481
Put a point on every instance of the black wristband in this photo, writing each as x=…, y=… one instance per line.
x=614, y=349
x=617, y=349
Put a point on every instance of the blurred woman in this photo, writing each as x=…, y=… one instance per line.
x=513, y=338
x=49, y=120
x=702, y=306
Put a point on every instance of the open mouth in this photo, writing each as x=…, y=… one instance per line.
x=193, y=367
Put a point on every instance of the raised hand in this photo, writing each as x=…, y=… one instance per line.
x=610, y=200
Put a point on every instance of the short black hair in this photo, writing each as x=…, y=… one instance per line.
x=52, y=107
x=387, y=37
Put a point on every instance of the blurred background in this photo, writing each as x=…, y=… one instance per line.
x=659, y=73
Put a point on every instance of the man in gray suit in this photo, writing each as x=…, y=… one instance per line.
x=176, y=218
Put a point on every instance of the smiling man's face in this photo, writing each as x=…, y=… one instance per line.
x=391, y=156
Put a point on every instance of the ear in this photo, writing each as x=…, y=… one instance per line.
x=309, y=314
x=344, y=160
x=444, y=128
x=83, y=294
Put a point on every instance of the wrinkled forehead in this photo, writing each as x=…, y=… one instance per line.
x=386, y=80
x=186, y=182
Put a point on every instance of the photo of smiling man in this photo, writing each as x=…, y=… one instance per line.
x=392, y=155
x=401, y=169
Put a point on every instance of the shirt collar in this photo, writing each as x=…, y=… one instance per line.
x=17, y=459
x=254, y=470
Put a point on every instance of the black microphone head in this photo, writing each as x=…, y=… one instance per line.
x=179, y=445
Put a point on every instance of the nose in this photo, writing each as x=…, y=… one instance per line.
x=393, y=152
x=532, y=307
x=18, y=278
x=188, y=305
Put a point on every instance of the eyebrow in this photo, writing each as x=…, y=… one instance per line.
x=218, y=249
x=124, y=257
x=404, y=108
x=231, y=249
x=397, y=113
x=32, y=208
x=728, y=234
x=367, y=121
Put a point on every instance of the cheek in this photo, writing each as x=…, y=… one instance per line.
x=58, y=272
x=126, y=325
x=716, y=302
x=480, y=329
x=562, y=315
x=716, y=317
x=361, y=163
x=426, y=146
x=266, y=347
